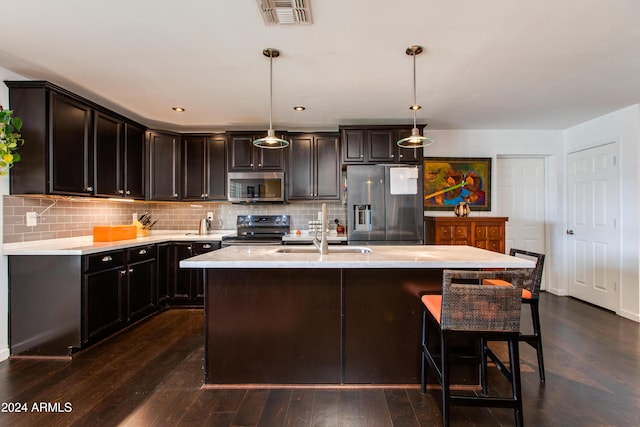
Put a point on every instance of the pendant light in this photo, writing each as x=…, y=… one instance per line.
x=271, y=141
x=415, y=140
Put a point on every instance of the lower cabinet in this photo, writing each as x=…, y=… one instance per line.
x=102, y=308
x=60, y=304
x=141, y=282
x=480, y=232
x=118, y=288
x=187, y=285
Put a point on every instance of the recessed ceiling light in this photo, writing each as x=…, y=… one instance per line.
x=299, y=108
x=178, y=109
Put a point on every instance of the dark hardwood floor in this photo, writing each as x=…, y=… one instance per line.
x=151, y=375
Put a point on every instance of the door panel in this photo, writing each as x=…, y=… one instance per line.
x=593, y=240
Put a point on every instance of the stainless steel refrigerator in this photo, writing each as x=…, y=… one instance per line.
x=384, y=204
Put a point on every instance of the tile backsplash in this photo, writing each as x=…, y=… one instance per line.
x=60, y=217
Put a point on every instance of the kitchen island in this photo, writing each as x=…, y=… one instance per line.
x=288, y=315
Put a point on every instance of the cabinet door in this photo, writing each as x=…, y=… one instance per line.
x=216, y=174
x=270, y=159
x=490, y=236
x=164, y=160
x=140, y=289
x=103, y=311
x=164, y=268
x=194, y=168
x=241, y=153
x=381, y=145
x=107, y=138
x=353, y=146
x=200, y=275
x=453, y=234
x=407, y=155
x=182, y=278
x=71, y=153
x=301, y=168
x=134, y=167
x=327, y=166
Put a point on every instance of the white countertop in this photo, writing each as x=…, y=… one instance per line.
x=419, y=256
x=85, y=245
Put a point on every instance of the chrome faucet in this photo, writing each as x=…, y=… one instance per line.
x=322, y=244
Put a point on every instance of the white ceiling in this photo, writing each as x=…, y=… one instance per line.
x=492, y=64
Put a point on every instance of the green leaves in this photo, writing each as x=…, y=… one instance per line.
x=10, y=140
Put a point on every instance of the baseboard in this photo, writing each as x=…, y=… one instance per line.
x=629, y=315
x=4, y=354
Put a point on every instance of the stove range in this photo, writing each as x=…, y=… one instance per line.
x=259, y=230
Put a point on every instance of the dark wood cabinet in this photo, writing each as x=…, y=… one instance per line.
x=73, y=146
x=187, y=285
x=376, y=144
x=244, y=156
x=204, y=168
x=164, y=269
x=141, y=282
x=314, y=167
x=71, y=151
x=103, y=311
x=119, y=157
x=164, y=166
x=119, y=287
x=480, y=232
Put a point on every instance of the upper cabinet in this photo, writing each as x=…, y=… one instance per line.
x=314, y=166
x=376, y=144
x=244, y=156
x=164, y=166
x=204, y=168
x=119, y=157
x=70, y=143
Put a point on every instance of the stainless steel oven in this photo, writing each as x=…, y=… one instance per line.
x=259, y=230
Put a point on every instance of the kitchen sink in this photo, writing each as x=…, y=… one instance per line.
x=332, y=250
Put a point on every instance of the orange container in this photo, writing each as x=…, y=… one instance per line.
x=109, y=233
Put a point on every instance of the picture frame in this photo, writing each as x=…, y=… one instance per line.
x=451, y=180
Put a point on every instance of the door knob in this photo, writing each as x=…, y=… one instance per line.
x=569, y=231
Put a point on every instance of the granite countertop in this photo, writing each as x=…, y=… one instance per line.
x=85, y=245
x=418, y=256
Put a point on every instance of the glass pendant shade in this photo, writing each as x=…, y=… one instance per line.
x=415, y=140
x=271, y=141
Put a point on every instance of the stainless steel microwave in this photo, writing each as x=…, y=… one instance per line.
x=253, y=187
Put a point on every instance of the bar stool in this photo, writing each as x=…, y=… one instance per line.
x=530, y=296
x=468, y=309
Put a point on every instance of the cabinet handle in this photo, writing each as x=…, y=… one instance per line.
x=401, y=155
x=131, y=270
x=361, y=155
x=120, y=191
x=206, y=246
x=393, y=155
x=175, y=195
x=89, y=189
x=259, y=165
x=128, y=192
x=206, y=195
x=251, y=164
x=123, y=272
x=142, y=251
x=106, y=258
x=202, y=196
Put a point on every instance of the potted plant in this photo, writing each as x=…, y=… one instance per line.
x=10, y=140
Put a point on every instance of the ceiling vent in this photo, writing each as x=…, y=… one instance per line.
x=285, y=12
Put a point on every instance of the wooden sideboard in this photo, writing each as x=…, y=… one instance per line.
x=481, y=232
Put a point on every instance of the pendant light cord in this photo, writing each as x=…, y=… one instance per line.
x=270, y=90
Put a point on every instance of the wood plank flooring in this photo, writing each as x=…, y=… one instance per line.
x=151, y=375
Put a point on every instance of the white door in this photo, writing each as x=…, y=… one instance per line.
x=520, y=186
x=593, y=241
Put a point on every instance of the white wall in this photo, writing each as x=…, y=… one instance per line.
x=4, y=189
x=623, y=127
x=512, y=143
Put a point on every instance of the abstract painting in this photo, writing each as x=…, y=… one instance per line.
x=451, y=180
